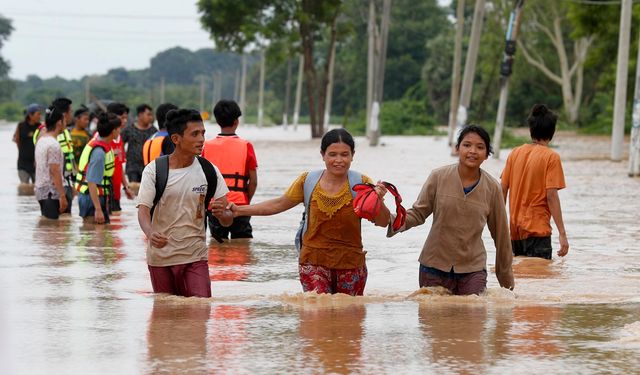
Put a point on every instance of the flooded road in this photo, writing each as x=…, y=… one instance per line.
x=76, y=298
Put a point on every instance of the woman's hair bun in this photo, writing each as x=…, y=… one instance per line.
x=539, y=110
x=172, y=114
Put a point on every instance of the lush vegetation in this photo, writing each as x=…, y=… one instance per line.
x=554, y=36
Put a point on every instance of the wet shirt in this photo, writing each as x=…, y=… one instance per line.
x=455, y=238
x=333, y=237
x=530, y=170
x=47, y=152
x=179, y=214
x=26, y=148
x=135, y=138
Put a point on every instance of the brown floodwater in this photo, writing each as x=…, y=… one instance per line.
x=75, y=298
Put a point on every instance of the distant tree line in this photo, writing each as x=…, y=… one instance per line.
x=565, y=58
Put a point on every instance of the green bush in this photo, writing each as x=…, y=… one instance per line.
x=11, y=111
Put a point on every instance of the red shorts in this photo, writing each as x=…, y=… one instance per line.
x=327, y=280
x=187, y=280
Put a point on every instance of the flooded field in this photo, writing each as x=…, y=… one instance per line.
x=76, y=298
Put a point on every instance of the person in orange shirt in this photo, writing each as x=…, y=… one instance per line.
x=236, y=159
x=531, y=179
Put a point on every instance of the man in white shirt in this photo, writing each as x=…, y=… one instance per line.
x=176, y=249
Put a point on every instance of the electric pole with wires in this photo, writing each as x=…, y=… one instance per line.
x=506, y=68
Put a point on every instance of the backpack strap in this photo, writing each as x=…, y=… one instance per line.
x=212, y=179
x=162, y=176
x=212, y=183
x=310, y=183
x=354, y=179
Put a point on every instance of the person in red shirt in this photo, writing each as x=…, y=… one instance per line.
x=236, y=159
x=119, y=180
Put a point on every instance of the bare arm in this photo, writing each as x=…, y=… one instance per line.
x=253, y=183
x=93, y=193
x=56, y=176
x=157, y=239
x=266, y=208
x=556, y=212
x=16, y=136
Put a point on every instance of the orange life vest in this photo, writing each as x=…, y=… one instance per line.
x=229, y=154
x=152, y=148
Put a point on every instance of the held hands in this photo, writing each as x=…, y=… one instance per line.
x=219, y=210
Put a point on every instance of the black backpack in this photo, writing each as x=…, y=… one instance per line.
x=162, y=176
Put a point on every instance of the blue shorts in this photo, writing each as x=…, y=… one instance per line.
x=86, y=206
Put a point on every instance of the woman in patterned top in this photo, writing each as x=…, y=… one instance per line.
x=332, y=259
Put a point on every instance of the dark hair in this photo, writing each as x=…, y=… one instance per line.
x=542, y=123
x=143, y=107
x=117, y=108
x=81, y=111
x=52, y=116
x=62, y=104
x=177, y=120
x=479, y=130
x=161, y=113
x=337, y=136
x=107, y=123
x=226, y=113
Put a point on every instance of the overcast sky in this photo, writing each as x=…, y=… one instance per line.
x=73, y=38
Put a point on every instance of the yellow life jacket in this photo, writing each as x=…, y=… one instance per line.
x=104, y=188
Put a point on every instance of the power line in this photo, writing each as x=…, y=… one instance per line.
x=111, y=31
x=596, y=2
x=157, y=17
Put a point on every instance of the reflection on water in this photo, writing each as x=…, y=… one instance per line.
x=177, y=335
x=332, y=338
x=76, y=297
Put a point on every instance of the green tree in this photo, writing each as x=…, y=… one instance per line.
x=6, y=86
x=236, y=25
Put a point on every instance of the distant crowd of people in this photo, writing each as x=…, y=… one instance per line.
x=187, y=182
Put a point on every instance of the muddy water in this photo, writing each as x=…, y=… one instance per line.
x=75, y=298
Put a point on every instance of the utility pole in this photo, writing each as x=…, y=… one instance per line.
x=287, y=96
x=457, y=62
x=218, y=86
x=243, y=83
x=162, y=90
x=236, y=89
x=505, y=71
x=327, y=103
x=261, y=90
x=380, y=65
x=617, y=135
x=202, y=94
x=470, y=65
x=214, y=89
x=296, y=108
x=371, y=32
x=634, y=145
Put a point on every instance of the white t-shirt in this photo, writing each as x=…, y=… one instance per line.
x=47, y=152
x=180, y=213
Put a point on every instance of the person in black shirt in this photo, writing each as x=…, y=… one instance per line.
x=23, y=137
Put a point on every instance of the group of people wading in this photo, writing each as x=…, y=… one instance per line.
x=187, y=182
